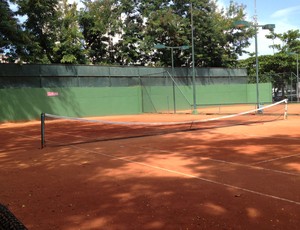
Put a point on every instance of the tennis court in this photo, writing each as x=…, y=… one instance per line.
x=243, y=175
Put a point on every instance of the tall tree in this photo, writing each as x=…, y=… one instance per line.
x=12, y=38
x=69, y=45
x=279, y=63
x=165, y=25
x=53, y=30
x=281, y=67
x=277, y=68
x=289, y=41
x=42, y=26
x=98, y=21
x=217, y=42
x=124, y=32
x=130, y=45
x=228, y=42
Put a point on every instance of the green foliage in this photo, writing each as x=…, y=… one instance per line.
x=289, y=41
x=226, y=41
x=41, y=26
x=124, y=32
x=69, y=46
x=12, y=38
x=131, y=40
x=268, y=64
x=53, y=31
x=277, y=68
x=98, y=23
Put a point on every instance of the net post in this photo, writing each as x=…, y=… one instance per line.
x=285, y=109
x=42, y=130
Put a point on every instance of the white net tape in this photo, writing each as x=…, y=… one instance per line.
x=253, y=111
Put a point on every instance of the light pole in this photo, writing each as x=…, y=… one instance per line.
x=242, y=24
x=162, y=46
x=193, y=65
x=298, y=85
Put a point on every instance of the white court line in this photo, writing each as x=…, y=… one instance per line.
x=275, y=159
x=272, y=159
x=253, y=165
x=182, y=174
x=216, y=160
x=191, y=176
x=233, y=163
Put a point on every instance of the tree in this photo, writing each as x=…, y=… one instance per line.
x=166, y=25
x=289, y=41
x=130, y=48
x=277, y=68
x=98, y=22
x=54, y=34
x=124, y=32
x=230, y=41
x=42, y=27
x=217, y=42
x=12, y=38
x=69, y=45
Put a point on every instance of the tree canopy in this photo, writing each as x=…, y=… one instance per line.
x=280, y=68
x=12, y=39
x=124, y=32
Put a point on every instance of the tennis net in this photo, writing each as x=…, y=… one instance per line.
x=63, y=130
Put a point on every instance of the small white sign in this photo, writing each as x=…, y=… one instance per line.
x=52, y=94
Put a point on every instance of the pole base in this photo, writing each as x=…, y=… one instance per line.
x=195, y=112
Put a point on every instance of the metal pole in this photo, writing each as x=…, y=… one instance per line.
x=172, y=60
x=256, y=55
x=297, y=86
x=42, y=130
x=193, y=66
x=174, y=98
x=291, y=87
x=256, y=65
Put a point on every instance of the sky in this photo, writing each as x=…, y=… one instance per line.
x=285, y=14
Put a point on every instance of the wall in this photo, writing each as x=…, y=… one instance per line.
x=161, y=98
x=28, y=103
x=100, y=90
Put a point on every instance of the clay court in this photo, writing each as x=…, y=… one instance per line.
x=244, y=176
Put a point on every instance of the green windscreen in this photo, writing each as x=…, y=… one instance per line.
x=165, y=94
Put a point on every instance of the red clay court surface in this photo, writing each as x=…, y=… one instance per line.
x=237, y=177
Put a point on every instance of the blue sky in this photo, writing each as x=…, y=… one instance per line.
x=285, y=14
